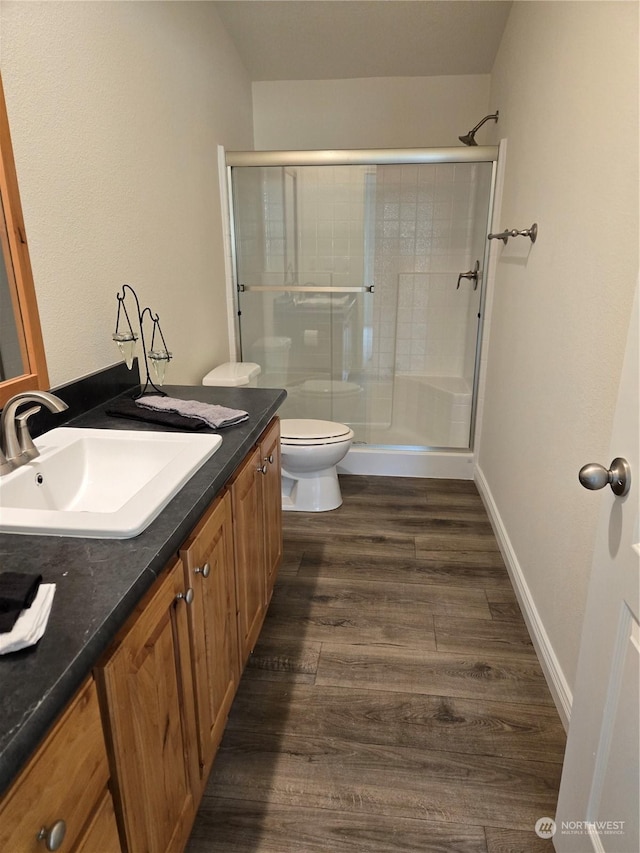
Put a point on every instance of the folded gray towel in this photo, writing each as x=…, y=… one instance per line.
x=214, y=416
x=127, y=409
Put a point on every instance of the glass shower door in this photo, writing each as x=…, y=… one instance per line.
x=305, y=296
x=430, y=224
x=358, y=293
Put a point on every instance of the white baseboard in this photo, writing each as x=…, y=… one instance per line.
x=551, y=668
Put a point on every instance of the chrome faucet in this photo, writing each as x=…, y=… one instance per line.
x=16, y=446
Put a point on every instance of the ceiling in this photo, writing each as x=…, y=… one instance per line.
x=336, y=39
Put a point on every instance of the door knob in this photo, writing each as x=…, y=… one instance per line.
x=618, y=476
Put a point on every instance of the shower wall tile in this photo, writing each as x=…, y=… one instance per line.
x=250, y=224
x=406, y=263
x=408, y=204
x=409, y=174
x=423, y=261
x=331, y=216
x=420, y=250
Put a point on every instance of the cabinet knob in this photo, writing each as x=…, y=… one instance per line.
x=261, y=469
x=187, y=596
x=204, y=570
x=269, y=459
x=54, y=836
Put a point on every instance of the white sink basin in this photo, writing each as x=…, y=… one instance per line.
x=99, y=483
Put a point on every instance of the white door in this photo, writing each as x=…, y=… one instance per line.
x=599, y=793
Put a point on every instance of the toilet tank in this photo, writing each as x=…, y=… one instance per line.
x=233, y=374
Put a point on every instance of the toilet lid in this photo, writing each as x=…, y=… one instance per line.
x=308, y=431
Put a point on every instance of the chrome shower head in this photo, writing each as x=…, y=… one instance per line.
x=469, y=138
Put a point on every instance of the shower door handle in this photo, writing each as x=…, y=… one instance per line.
x=470, y=274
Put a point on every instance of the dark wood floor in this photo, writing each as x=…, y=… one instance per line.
x=394, y=701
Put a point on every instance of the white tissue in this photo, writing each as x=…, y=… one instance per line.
x=31, y=623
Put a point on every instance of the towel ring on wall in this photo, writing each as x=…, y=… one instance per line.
x=531, y=233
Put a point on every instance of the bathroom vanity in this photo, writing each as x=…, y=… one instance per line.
x=111, y=723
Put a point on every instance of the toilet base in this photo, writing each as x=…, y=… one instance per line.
x=316, y=491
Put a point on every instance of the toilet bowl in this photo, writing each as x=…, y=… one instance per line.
x=311, y=450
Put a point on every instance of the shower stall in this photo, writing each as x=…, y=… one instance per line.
x=359, y=280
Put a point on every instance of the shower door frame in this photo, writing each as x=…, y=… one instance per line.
x=375, y=157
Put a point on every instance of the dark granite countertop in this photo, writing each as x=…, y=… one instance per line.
x=100, y=581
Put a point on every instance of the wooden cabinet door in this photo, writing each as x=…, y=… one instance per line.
x=272, y=504
x=102, y=832
x=248, y=535
x=147, y=692
x=209, y=566
x=63, y=783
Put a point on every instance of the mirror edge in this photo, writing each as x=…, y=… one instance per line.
x=37, y=376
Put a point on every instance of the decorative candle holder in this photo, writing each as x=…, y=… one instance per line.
x=126, y=341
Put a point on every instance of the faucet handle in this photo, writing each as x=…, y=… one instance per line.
x=17, y=452
x=27, y=447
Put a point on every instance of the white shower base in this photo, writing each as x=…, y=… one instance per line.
x=426, y=412
x=392, y=462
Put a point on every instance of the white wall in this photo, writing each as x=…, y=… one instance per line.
x=116, y=109
x=376, y=112
x=566, y=84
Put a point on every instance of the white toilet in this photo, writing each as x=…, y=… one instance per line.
x=310, y=452
x=310, y=449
